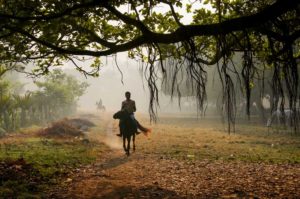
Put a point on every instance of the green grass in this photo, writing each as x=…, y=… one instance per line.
x=46, y=154
x=51, y=158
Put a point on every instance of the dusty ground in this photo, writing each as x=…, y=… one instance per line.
x=176, y=163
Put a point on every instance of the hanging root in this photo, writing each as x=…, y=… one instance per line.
x=184, y=74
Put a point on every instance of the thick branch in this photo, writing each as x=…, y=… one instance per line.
x=181, y=34
x=94, y=36
x=118, y=48
x=242, y=23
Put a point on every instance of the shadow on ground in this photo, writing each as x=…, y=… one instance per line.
x=143, y=192
x=114, y=162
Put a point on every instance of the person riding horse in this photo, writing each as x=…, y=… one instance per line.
x=100, y=105
x=128, y=105
x=128, y=129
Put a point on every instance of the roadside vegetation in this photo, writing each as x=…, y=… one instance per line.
x=56, y=96
x=33, y=160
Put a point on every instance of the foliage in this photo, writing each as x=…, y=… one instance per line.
x=56, y=97
x=61, y=92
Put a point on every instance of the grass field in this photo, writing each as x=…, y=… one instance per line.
x=178, y=140
x=191, y=138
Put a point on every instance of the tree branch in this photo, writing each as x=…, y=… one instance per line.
x=173, y=12
x=128, y=20
x=183, y=33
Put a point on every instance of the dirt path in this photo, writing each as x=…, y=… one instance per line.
x=150, y=175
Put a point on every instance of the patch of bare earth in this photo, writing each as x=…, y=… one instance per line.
x=146, y=176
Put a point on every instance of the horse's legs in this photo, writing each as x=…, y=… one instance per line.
x=133, y=141
x=128, y=145
x=124, y=144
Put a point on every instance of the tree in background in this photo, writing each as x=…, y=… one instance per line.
x=61, y=93
x=56, y=97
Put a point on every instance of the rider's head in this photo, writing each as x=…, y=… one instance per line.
x=127, y=95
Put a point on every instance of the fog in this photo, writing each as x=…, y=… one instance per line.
x=120, y=74
x=109, y=87
x=112, y=84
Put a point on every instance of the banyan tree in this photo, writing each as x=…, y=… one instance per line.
x=263, y=33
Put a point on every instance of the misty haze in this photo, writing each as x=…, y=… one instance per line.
x=149, y=99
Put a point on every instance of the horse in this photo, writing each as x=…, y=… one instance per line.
x=128, y=129
x=100, y=105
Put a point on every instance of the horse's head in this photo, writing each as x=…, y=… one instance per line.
x=121, y=115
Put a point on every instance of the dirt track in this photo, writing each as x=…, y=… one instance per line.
x=153, y=175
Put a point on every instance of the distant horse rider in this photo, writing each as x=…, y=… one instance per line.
x=100, y=105
x=129, y=106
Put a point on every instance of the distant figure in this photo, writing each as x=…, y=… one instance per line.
x=100, y=105
x=284, y=117
x=128, y=105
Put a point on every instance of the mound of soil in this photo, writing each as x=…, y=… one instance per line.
x=81, y=124
x=19, y=170
x=62, y=128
